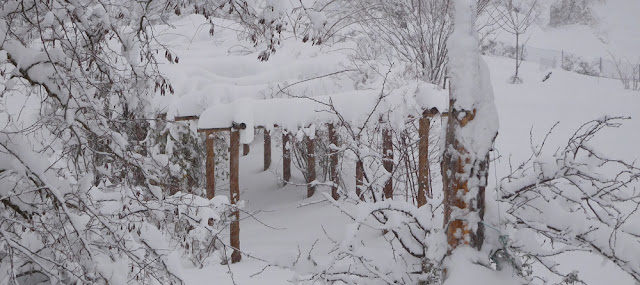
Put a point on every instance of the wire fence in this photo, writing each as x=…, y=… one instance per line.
x=608, y=67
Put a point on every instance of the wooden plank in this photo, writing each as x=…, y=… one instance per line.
x=286, y=157
x=267, y=150
x=210, y=166
x=185, y=118
x=333, y=164
x=214, y=130
x=387, y=161
x=311, y=166
x=423, y=161
x=234, y=125
x=234, y=193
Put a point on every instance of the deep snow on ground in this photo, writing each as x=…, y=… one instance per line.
x=566, y=97
x=285, y=222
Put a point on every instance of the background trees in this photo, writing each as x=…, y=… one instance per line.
x=515, y=17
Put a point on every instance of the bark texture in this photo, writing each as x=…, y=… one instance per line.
x=458, y=167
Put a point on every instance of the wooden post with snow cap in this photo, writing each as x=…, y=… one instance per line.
x=234, y=193
x=424, y=183
x=471, y=131
x=286, y=157
x=387, y=160
x=210, y=165
x=311, y=165
x=333, y=164
x=267, y=149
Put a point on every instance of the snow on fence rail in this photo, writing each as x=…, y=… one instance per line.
x=298, y=112
x=241, y=117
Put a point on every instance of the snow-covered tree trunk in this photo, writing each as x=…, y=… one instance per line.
x=471, y=131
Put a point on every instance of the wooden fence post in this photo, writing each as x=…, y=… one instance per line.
x=359, y=179
x=333, y=166
x=311, y=166
x=387, y=161
x=423, y=159
x=286, y=157
x=234, y=187
x=210, y=166
x=267, y=150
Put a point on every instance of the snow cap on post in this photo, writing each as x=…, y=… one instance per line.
x=464, y=54
x=470, y=81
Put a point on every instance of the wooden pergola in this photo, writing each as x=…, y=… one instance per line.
x=309, y=111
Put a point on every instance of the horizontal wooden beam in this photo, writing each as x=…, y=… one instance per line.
x=185, y=118
x=241, y=126
x=234, y=125
x=214, y=130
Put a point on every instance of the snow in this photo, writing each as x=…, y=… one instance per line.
x=221, y=85
x=465, y=270
x=222, y=82
x=354, y=107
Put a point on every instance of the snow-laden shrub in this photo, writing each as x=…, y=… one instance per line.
x=106, y=235
x=580, y=65
x=82, y=183
x=568, y=12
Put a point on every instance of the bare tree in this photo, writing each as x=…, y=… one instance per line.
x=515, y=17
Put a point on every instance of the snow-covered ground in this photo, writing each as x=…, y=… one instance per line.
x=286, y=221
x=286, y=224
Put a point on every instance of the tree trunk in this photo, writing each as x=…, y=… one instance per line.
x=458, y=167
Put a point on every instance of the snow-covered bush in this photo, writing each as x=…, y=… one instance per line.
x=81, y=182
x=413, y=31
x=568, y=12
x=496, y=48
x=574, y=200
x=580, y=65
